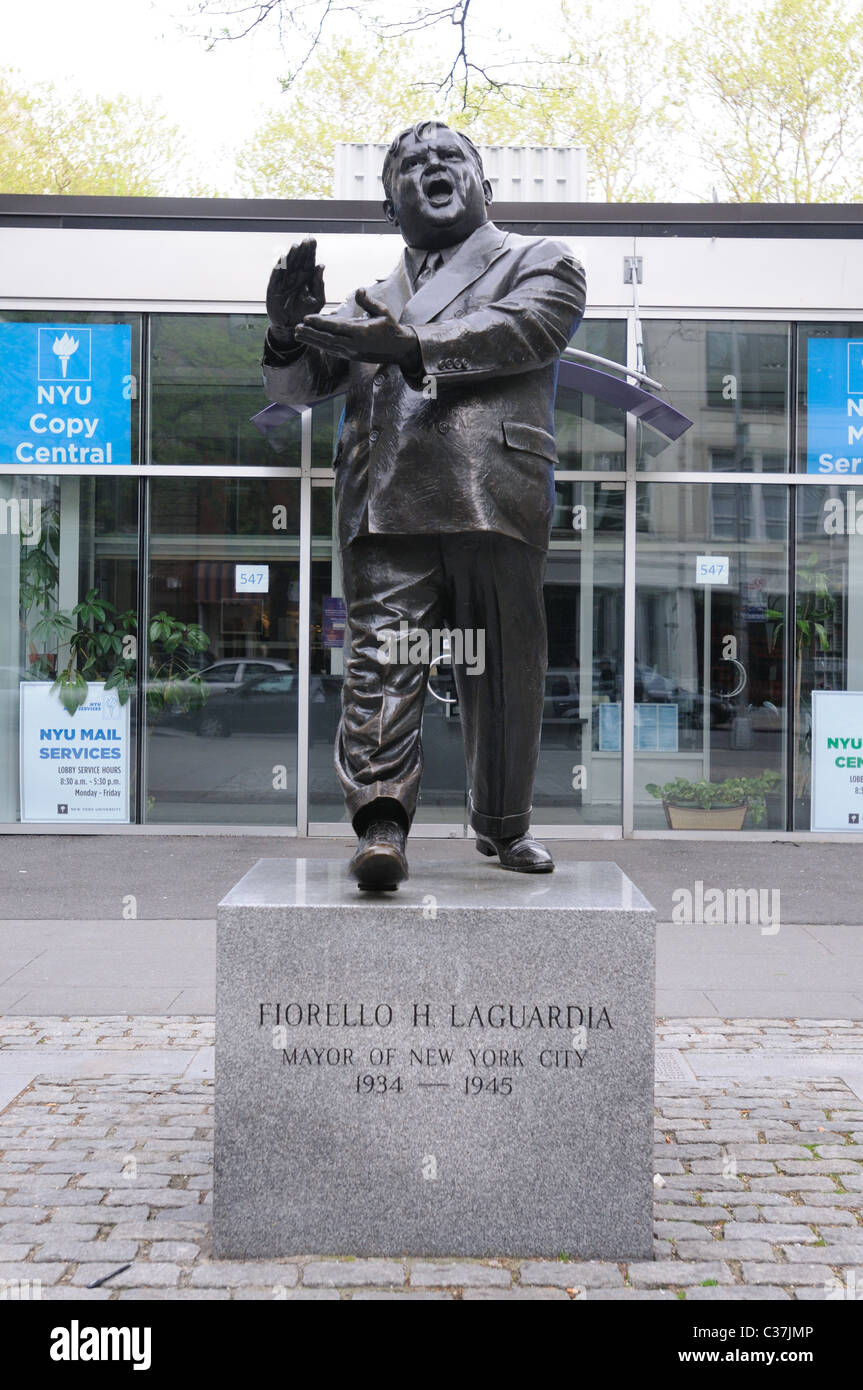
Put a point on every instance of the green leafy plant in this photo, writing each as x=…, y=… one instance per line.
x=99, y=643
x=100, y=649
x=733, y=791
x=813, y=617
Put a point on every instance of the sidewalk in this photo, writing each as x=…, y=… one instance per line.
x=113, y=925
x=107, y=949
x=106, y=1174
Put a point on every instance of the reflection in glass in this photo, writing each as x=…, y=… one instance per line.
x=589, y=433
x=826, y=625
x=205, y=372
x=225, y=557
x=709, y=648
x=731, y=379
x=64, y=541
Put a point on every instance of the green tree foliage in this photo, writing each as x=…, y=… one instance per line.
x=592, y=88
x=602, y=84
x=776, y=98
x=345, y=93
x=59, y=141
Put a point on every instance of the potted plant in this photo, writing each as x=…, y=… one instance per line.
x=715, y=805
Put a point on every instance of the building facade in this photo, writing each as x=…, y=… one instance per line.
x=169, y=572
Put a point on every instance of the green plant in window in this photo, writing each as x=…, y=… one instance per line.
x=813, y=618
x=733, y=791
x=95, y=642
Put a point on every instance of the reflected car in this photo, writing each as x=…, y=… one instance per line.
x=263, y=704
x=231, y=672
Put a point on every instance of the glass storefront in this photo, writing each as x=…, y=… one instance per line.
x=697, y=597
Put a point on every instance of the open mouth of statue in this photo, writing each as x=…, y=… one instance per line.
x=438, y=189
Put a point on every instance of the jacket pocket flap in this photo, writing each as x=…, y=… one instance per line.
x=530, y=439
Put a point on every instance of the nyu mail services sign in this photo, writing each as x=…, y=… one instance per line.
x=65, y=393
x=834, y=443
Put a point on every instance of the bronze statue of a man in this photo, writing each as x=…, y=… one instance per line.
x=443, y=486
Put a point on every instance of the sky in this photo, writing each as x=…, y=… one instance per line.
x=217, y=98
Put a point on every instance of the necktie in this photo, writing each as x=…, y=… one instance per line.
x=432, y=263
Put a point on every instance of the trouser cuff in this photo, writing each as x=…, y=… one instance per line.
x=360, y=805
x=500, y=827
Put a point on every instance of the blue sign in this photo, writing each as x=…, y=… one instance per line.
x=65, y=394
x=834, y=440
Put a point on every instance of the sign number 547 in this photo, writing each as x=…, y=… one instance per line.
x=251, y=579
x=711, y=569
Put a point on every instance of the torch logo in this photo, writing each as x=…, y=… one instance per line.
x=65, y=348
x=64, y=354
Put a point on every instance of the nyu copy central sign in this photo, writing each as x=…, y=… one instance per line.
x=65, y=393
x=834, y=442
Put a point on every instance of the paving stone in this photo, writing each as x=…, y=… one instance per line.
x=801, y=1183
x=266, y=1293
x=62, y=1293
x=680, y=1230
x=830, y=1292
x=18, y=1270
x=804, y=1215
x=14, y=1251
x=632, y=1295
x=824, y=1254
x=566, y=1273
x=79, y=1251
x=353, y=1273
x=458, y=1275
x=174, y=1251
x=515, y=1295
x=676, y=1272
x=142, y=1275
x=738, y=1294
x=724, y=1250
x=772, y=1231
x=161, y=1231
x=235, y=1273
x=413, y=1295
x=807, y=1167
x=783, y=1274
x=15, y=1217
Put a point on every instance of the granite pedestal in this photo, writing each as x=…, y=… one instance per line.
x=462, y=1067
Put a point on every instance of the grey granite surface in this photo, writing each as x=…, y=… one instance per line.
x=463, y=1067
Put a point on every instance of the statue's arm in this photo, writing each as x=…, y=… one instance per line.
x=527, y=328
x=302, y=375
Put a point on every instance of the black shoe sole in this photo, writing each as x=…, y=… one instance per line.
x=380, y=870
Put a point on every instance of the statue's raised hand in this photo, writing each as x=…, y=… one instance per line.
x=296, y=288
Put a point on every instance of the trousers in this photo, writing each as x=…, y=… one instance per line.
x=483, y=582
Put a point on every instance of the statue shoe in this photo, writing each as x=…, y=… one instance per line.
x=522, y=853
x=380, y=861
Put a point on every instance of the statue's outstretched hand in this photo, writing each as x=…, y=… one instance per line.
x=376, y=337
x=296, y=288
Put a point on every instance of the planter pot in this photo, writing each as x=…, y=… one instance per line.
x=701, y=818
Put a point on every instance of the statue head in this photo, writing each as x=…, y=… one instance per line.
x=436, y=191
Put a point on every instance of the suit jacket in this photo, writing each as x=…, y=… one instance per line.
x=469, y=444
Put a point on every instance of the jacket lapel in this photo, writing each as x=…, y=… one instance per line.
x=470, y=261
x=395, y=289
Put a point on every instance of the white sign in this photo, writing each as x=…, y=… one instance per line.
x=711, y=569
x=74, y=768
x=251, y=579
x=837, y=760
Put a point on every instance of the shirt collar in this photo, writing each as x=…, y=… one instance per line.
x=415, y=258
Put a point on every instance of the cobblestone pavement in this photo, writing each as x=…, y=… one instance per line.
x=106, y=1174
